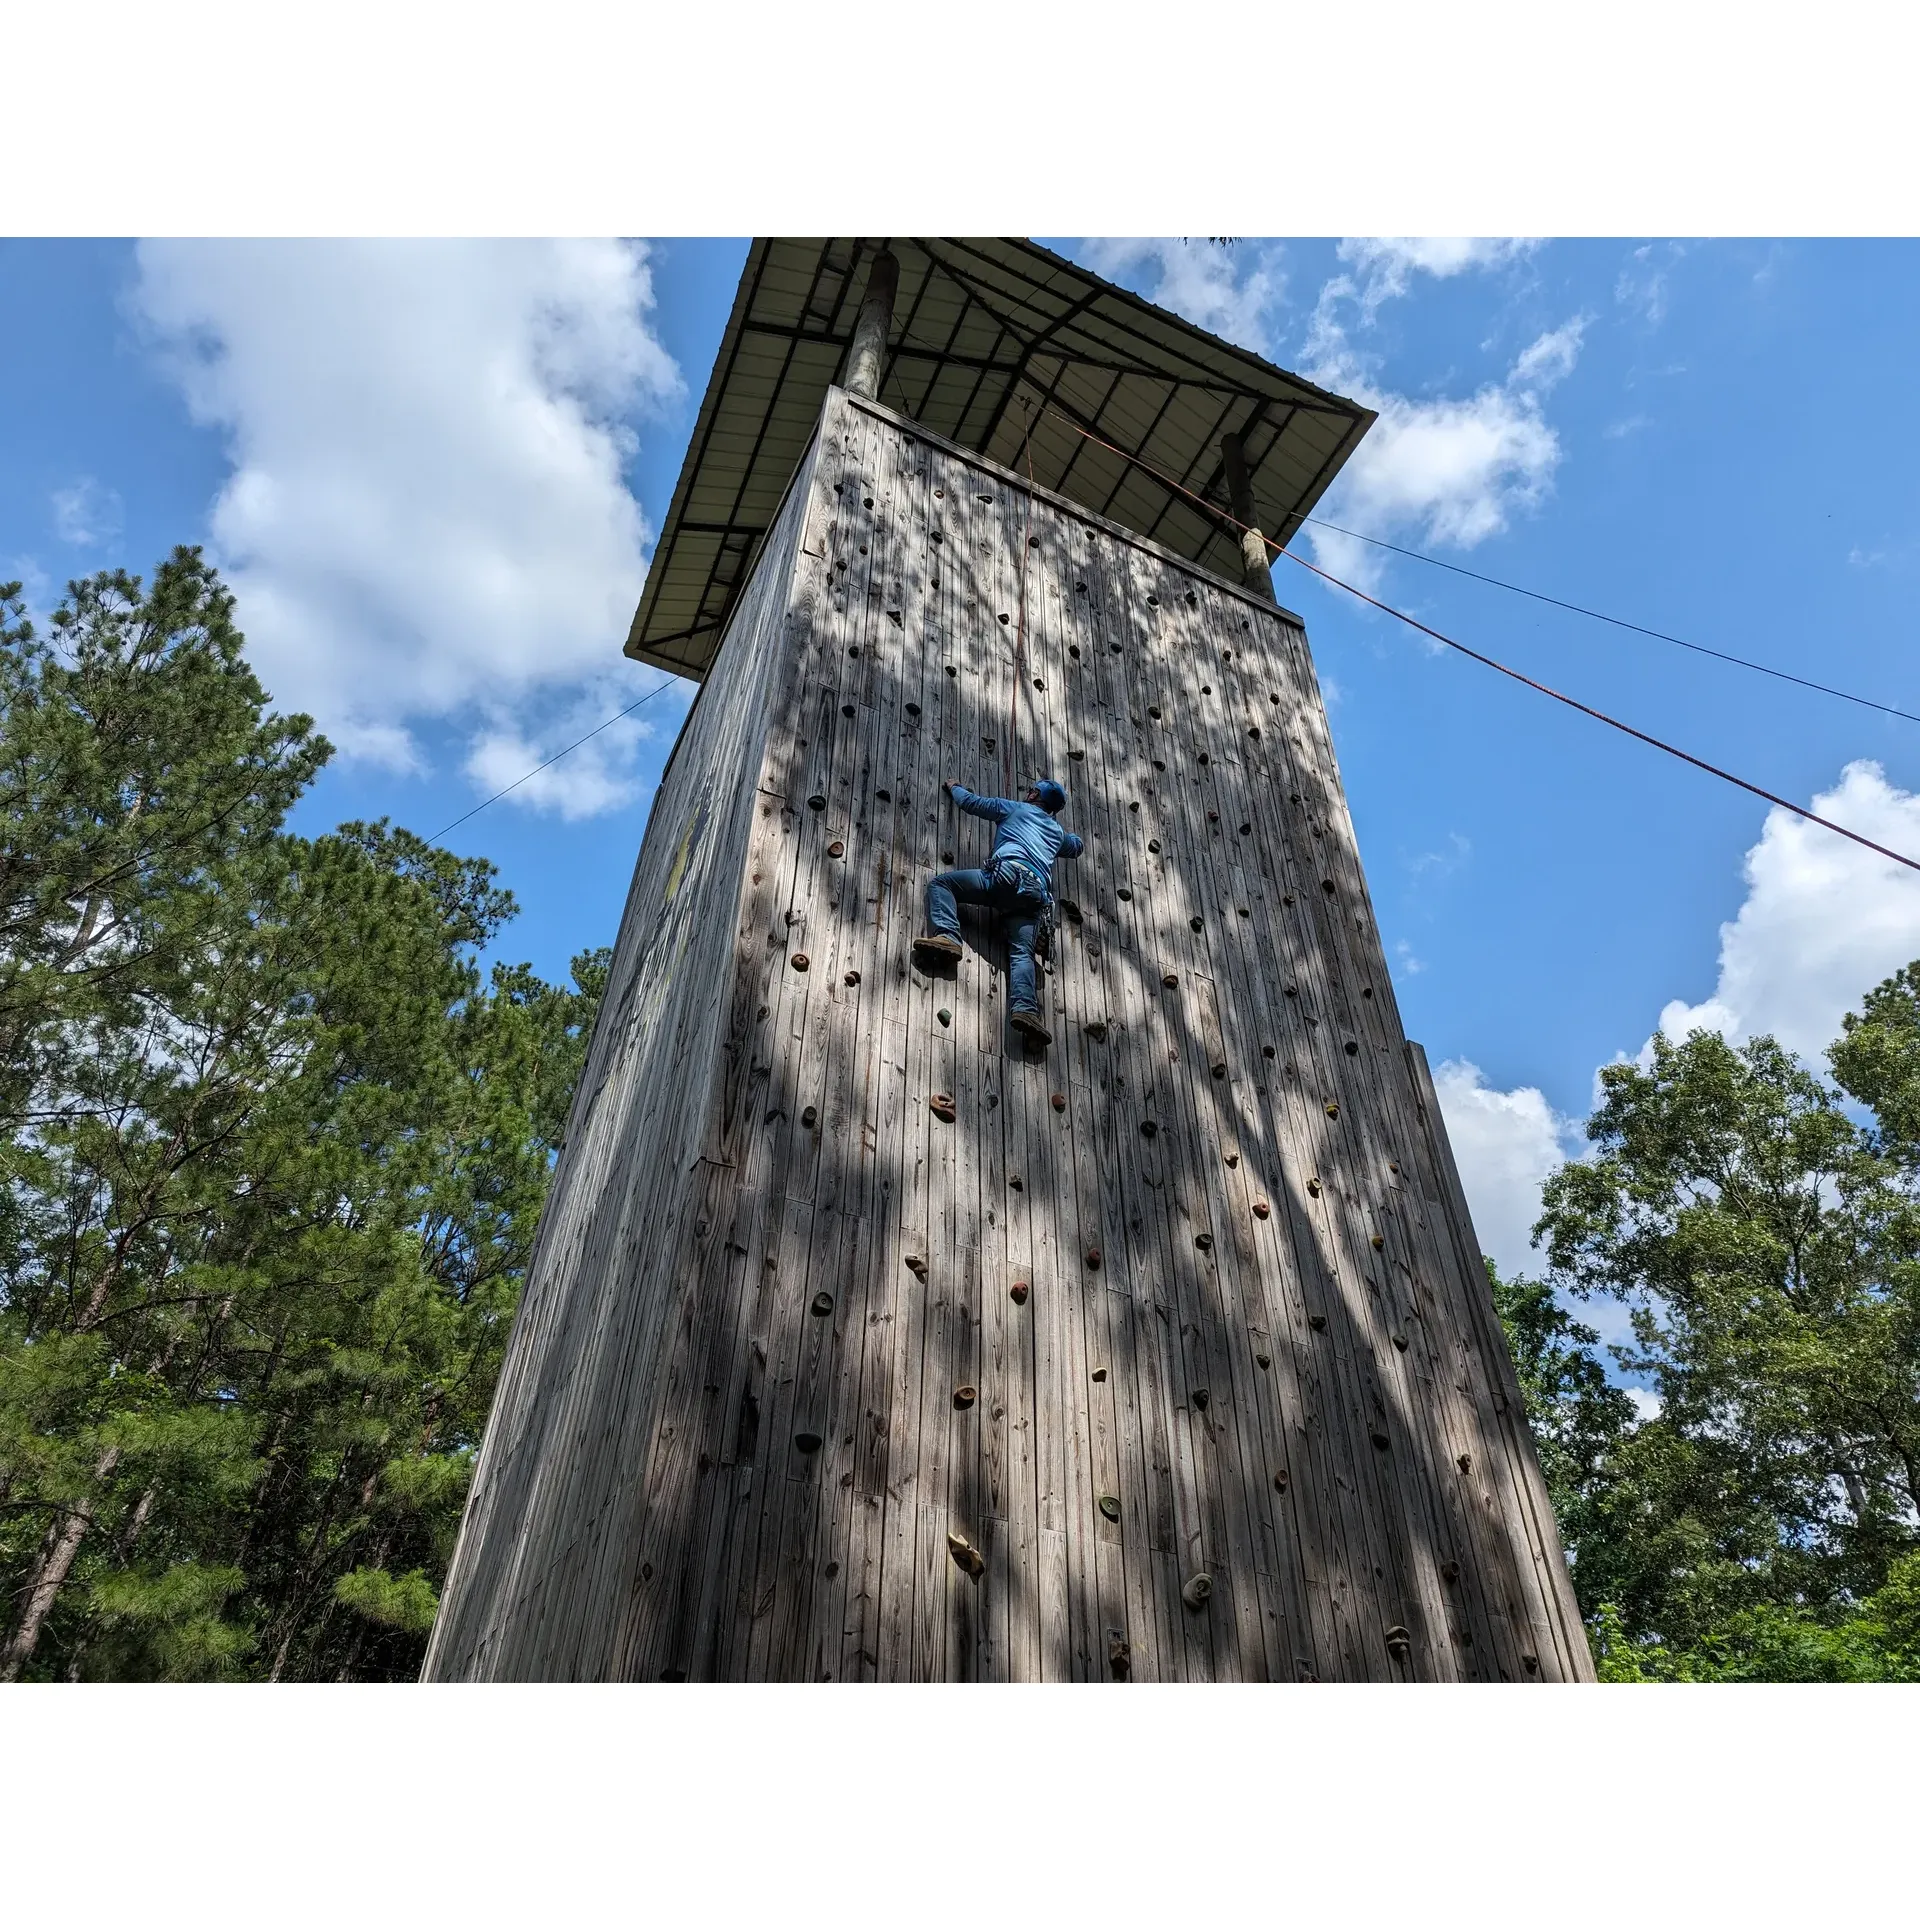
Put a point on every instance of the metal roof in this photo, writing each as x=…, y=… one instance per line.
x=984, y=332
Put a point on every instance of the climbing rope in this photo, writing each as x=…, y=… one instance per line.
x=1593, y=713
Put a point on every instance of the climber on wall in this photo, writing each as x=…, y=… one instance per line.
x=1016, y=886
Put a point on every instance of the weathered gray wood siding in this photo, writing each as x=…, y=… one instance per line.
x=1256, y=1325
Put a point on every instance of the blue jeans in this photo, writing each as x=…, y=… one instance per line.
x=1017, y=911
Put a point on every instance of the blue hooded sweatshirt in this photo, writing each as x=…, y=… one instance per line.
x=1026, y=833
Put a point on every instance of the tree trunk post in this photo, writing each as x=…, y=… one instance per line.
x=867, y=357
x=1253, y=549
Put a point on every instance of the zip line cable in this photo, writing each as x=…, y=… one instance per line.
x=1594, y=713
x=545, y=764
x=1612, y=620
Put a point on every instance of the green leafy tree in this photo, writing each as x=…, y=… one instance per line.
x=1762, y=1525
x=275, y=1156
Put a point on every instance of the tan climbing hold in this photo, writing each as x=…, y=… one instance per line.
x=1197, y=1592
x=1019, y=1291
x=1169, y=979
x=942, y=1105
x=916, y=1266
x=964, y=1397
x=835, y=848
x=966, y=1556
x=800, y=963
x=1333, y=1109
x=1093, y=1257
x=1313, y=1187
x=1261, y=1210
x=1280, y=1481
x=853, y=976
x=1059, y=1103
x=1378, y=1243
x=1399, y=1642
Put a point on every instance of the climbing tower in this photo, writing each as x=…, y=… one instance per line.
x=862, y=1342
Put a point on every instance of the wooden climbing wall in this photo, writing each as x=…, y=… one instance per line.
x=1171, y=1355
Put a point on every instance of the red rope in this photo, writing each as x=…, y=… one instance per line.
x=1593, y=713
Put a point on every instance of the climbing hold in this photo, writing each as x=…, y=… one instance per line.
x=1261, y=1210
x=1204, y=1241
x=1196, y=923
x=1317, y=1321
x=853, y=976
x=1253, y=733
x=1119, y=1658
x=1153, y=599
x=1076, y=753
x=1353, y=1047
x=1123, y=893
x=853, y=653
x=1246, y=826
x=916, y=1266
x=1378, y=1243
x=846, y=713
x=1280, y=1481
x=1148, y=1128
x=913, y=709
x=1099, y=1373
x=1465, y=1463
x=964, y=1397
x=1169, y=979
x=1399, y=1642
x=966, y=1556
x=1450, y=1571
x=1017, y=1184
x=835, y=848
x=1159, y=766
x=1039, y=686
x=1400, y=1341
x=1153, y=846
x=1233, y=1159
x=1263, y=1361
x=1095, y=1029
x=1292, y=993
x=823, y=1304
x=1155, y=711
x=1333, y=1109
x=1004, y=619
x=1326, y=886
x=1059, y=1103
x=1071, y=910
x=1093, y=1258
x=800, y=963
x=807, y=1442
x=818, y=802
x=1531, y=1661
x=1110, y=1506
x=1197, y=1592
x=1206, y=759
x=1219, y=1069
x=808, y=1115
x=1019, y=1291
x=1286, y=899
x=1200, y=1398
x=946, y=854
x=944, y=1016
x=1313, y=1187
x=1380, y=1440
x=1267, y=1051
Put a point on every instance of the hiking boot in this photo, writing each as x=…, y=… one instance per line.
x=938, y=946
x=1032, y=1026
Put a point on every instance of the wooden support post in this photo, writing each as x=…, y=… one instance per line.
x=1253, y=549
x=867, y=358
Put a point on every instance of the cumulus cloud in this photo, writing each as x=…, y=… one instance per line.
x=1823, y=921
x=1201, y=282
x=1447, y=470
x=427, y=517
x=1506, y=1144
x=87, y=514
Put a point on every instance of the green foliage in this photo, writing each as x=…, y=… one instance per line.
x=1762, y=1524
x=273, y=1160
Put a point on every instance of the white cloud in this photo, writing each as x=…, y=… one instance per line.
x=1447, y=471
x=427, y=516
x=87, y=514
x=1823, y=921
x=1642, y=282
x=1202, y=282
x=1387, y=267
x=596, y=775
x=1506, y=1144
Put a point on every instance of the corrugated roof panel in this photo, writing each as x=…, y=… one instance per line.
x=1001, y=347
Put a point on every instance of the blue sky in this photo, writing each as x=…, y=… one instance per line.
x=433, y=473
